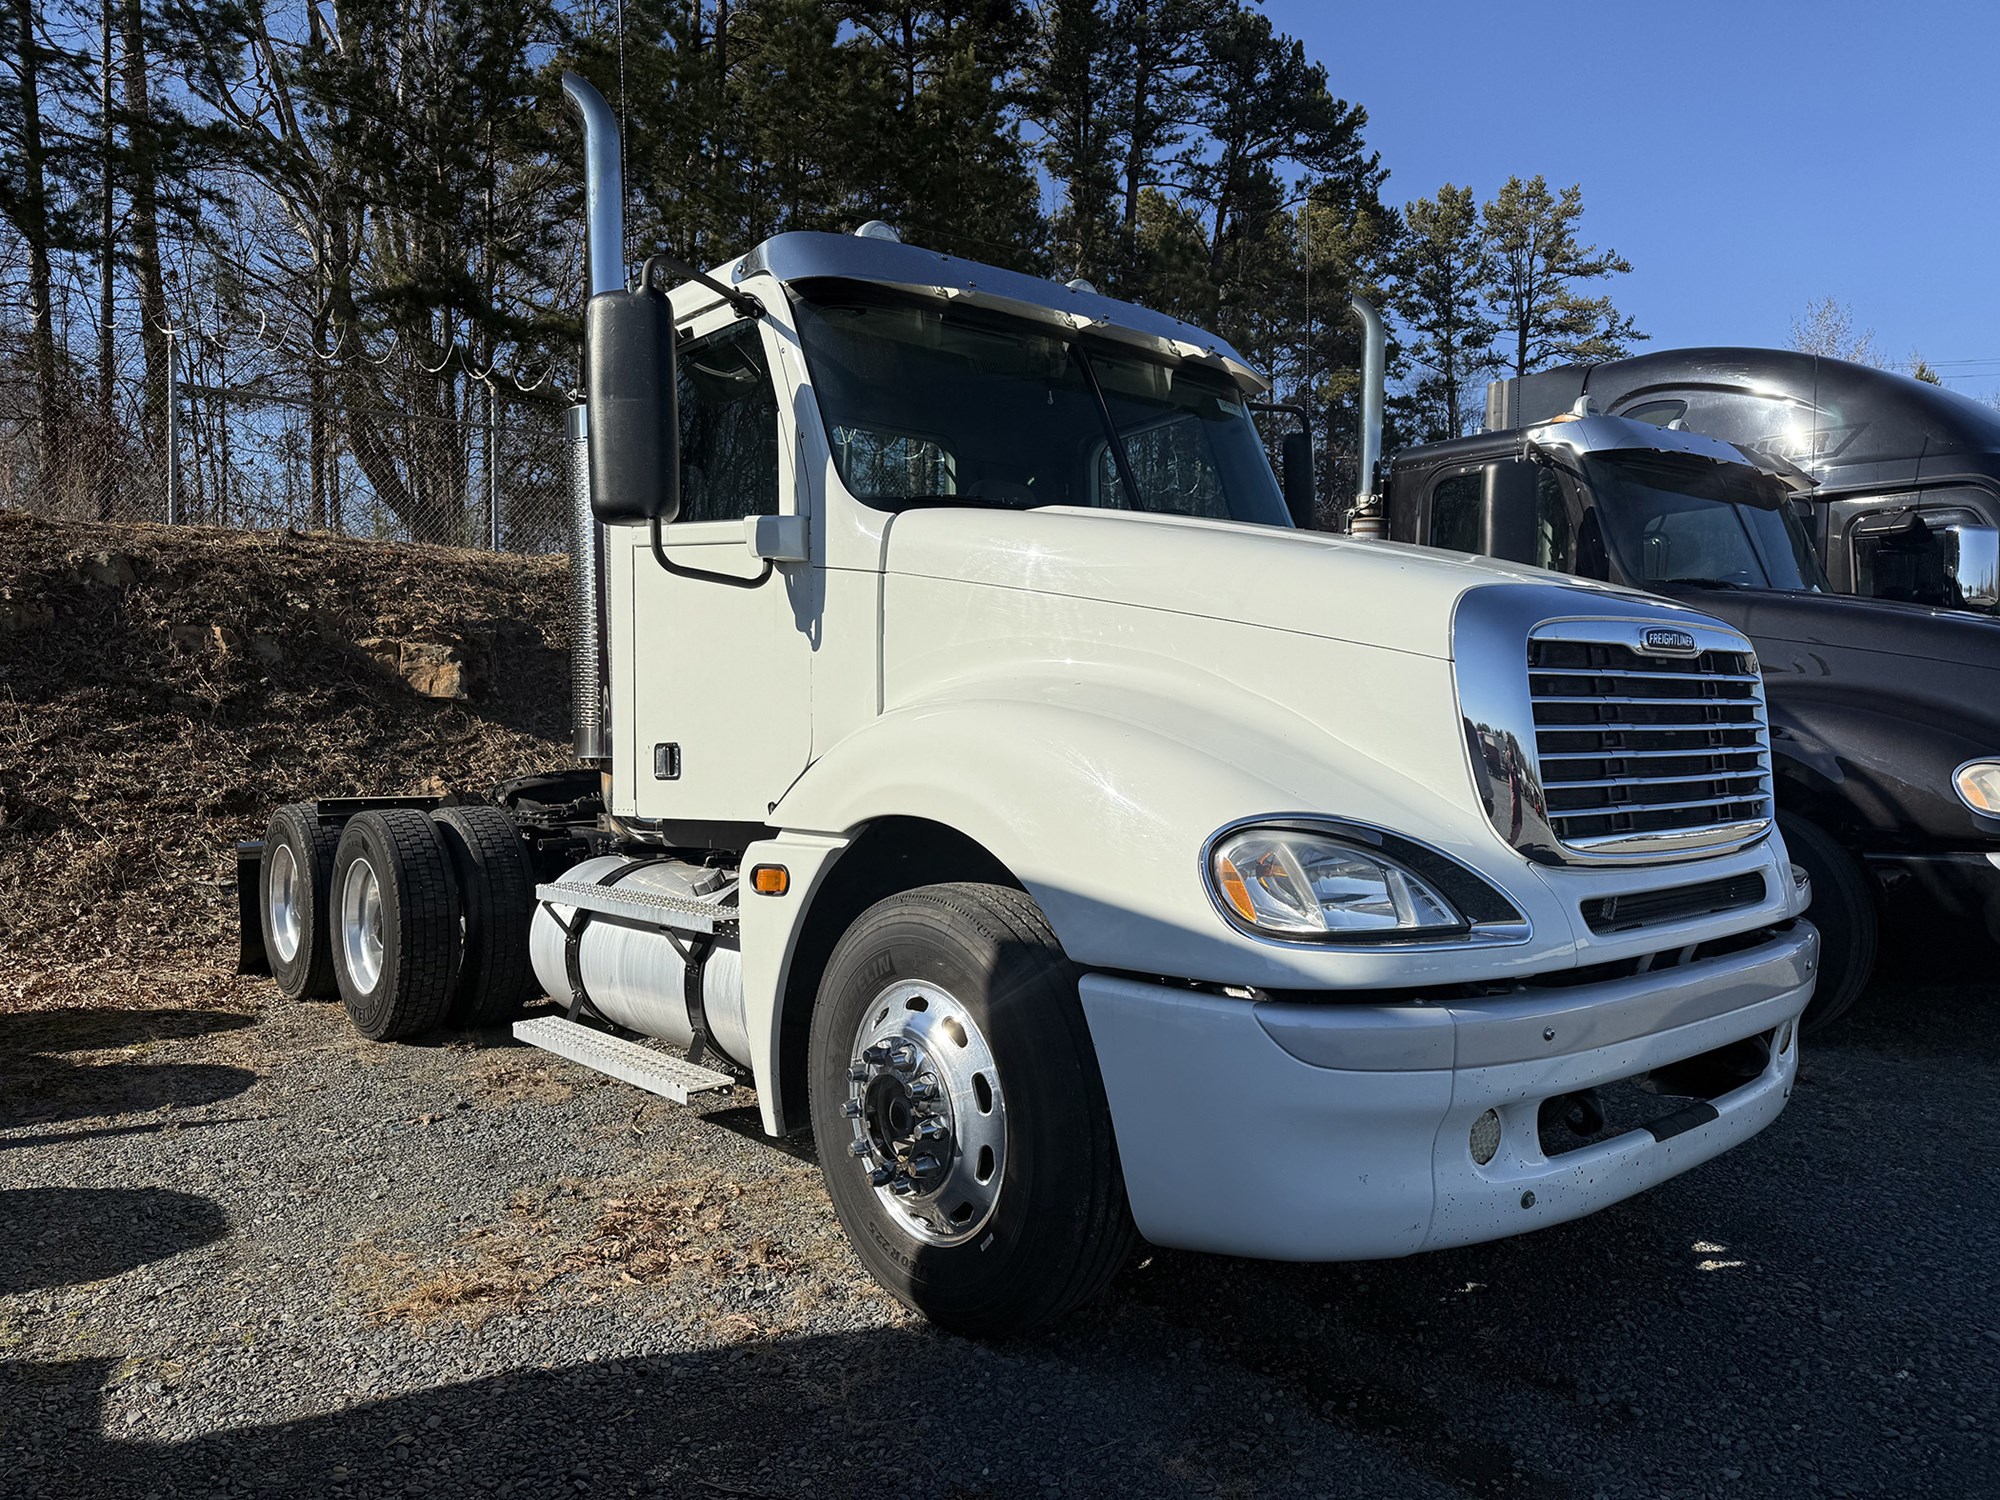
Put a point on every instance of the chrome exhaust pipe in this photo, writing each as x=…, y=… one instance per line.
x=604, y=260
x=603, y=185
x=1367, y=519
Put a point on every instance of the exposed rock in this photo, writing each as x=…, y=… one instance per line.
x=114, y=570
x=435, y=670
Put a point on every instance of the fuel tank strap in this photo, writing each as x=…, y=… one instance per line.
x=579, y=996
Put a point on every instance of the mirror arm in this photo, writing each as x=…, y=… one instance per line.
x=741, y=303
x=1291, y=407
x=680, y=570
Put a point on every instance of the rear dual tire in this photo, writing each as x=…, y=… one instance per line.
x=394, y=923
x=292, y=880
x=497, y=892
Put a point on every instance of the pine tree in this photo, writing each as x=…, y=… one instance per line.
x=33, y=200
x=1543, y=315
x=1163, y=45
x=1266, y=110
x=1072, y=93
x=1444, y=274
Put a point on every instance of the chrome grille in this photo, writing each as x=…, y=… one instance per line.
x=1641, y=753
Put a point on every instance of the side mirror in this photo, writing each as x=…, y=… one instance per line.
x=1972, y=565
x=635, y=428
x=1296, y=453
x=1510, y=510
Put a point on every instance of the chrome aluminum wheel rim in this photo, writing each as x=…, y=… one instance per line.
x=929, y=1119
x=361, y=925
x=286, y=893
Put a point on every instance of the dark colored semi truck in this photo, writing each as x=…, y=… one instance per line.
x=1905, y=475
x=1884, y=715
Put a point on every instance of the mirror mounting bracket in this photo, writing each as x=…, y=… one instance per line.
x=740, y=302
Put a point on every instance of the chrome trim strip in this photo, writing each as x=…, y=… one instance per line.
x=1752, y=772
x=1649, y=676
x=1632, y=807
x=1661, y=701
x=1666, y=842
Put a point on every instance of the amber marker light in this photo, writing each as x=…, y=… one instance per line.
x=1978, y=783
x=770, y=880
x=1234, y=889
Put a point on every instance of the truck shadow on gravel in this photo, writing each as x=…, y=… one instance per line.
x=821, y=1416
x=66, y=1236
x=41, y=1085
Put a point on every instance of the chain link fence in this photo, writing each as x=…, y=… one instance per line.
x=268, y=439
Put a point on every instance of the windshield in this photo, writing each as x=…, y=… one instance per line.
x=925, y=406
x=1677, y=520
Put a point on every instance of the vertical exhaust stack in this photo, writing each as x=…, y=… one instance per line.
x=604, y=256
x=1367, y=519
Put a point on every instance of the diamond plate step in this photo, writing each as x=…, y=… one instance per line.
x=659, y=1073
x=655, y=908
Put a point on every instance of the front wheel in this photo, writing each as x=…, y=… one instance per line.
x=961, y=1122
x=1843, y=909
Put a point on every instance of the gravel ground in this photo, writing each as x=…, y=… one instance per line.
x=243, y=1252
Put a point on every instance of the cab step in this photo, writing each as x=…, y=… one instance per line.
x=641, y=908
x=659, y=1073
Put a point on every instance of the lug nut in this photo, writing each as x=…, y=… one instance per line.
x=852, y=1109
x=861, y=1147
x=857, y=1074
x=923, y=1166
x=876, y=1056
x=924, y=1086
x=902, y=1056
x=882, y=1177
x=902, y=1187
x=930, y=1131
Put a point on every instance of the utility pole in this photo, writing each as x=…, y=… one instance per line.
x=173, y=438
x=107, y=352
x=492, y=467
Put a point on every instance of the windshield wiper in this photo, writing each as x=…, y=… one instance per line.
x=1703, y=583
x=968, y=502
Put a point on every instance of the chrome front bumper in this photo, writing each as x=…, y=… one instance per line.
x=1328, y=1131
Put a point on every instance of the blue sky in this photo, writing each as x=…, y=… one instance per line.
x=1746, y=158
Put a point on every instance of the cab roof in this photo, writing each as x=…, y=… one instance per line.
x=801, y=257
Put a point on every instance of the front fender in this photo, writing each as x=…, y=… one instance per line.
x=1100, y=797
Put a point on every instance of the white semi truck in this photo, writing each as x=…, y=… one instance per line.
x=975, y=760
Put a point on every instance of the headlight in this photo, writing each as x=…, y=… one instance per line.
x=1978, y=783
x=1294, y=883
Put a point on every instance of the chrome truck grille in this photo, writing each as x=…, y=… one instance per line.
x=1641, y=752
x=1611, y=740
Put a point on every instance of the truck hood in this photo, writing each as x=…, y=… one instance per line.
x=1945, y=639
x=1338, y=588
x=1873, y=703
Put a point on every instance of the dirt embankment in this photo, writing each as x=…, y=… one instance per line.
x=162, y=690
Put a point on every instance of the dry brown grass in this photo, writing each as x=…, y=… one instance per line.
x=597, y=1238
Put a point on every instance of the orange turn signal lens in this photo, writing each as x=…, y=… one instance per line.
x=770, y=880
x=1235, y=890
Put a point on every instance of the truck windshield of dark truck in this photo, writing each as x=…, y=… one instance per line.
x=928, y=407
x=1669, y=520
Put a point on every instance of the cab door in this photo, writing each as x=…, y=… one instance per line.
x=721, y=648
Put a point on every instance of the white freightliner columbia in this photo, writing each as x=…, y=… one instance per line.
x=987, y=771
